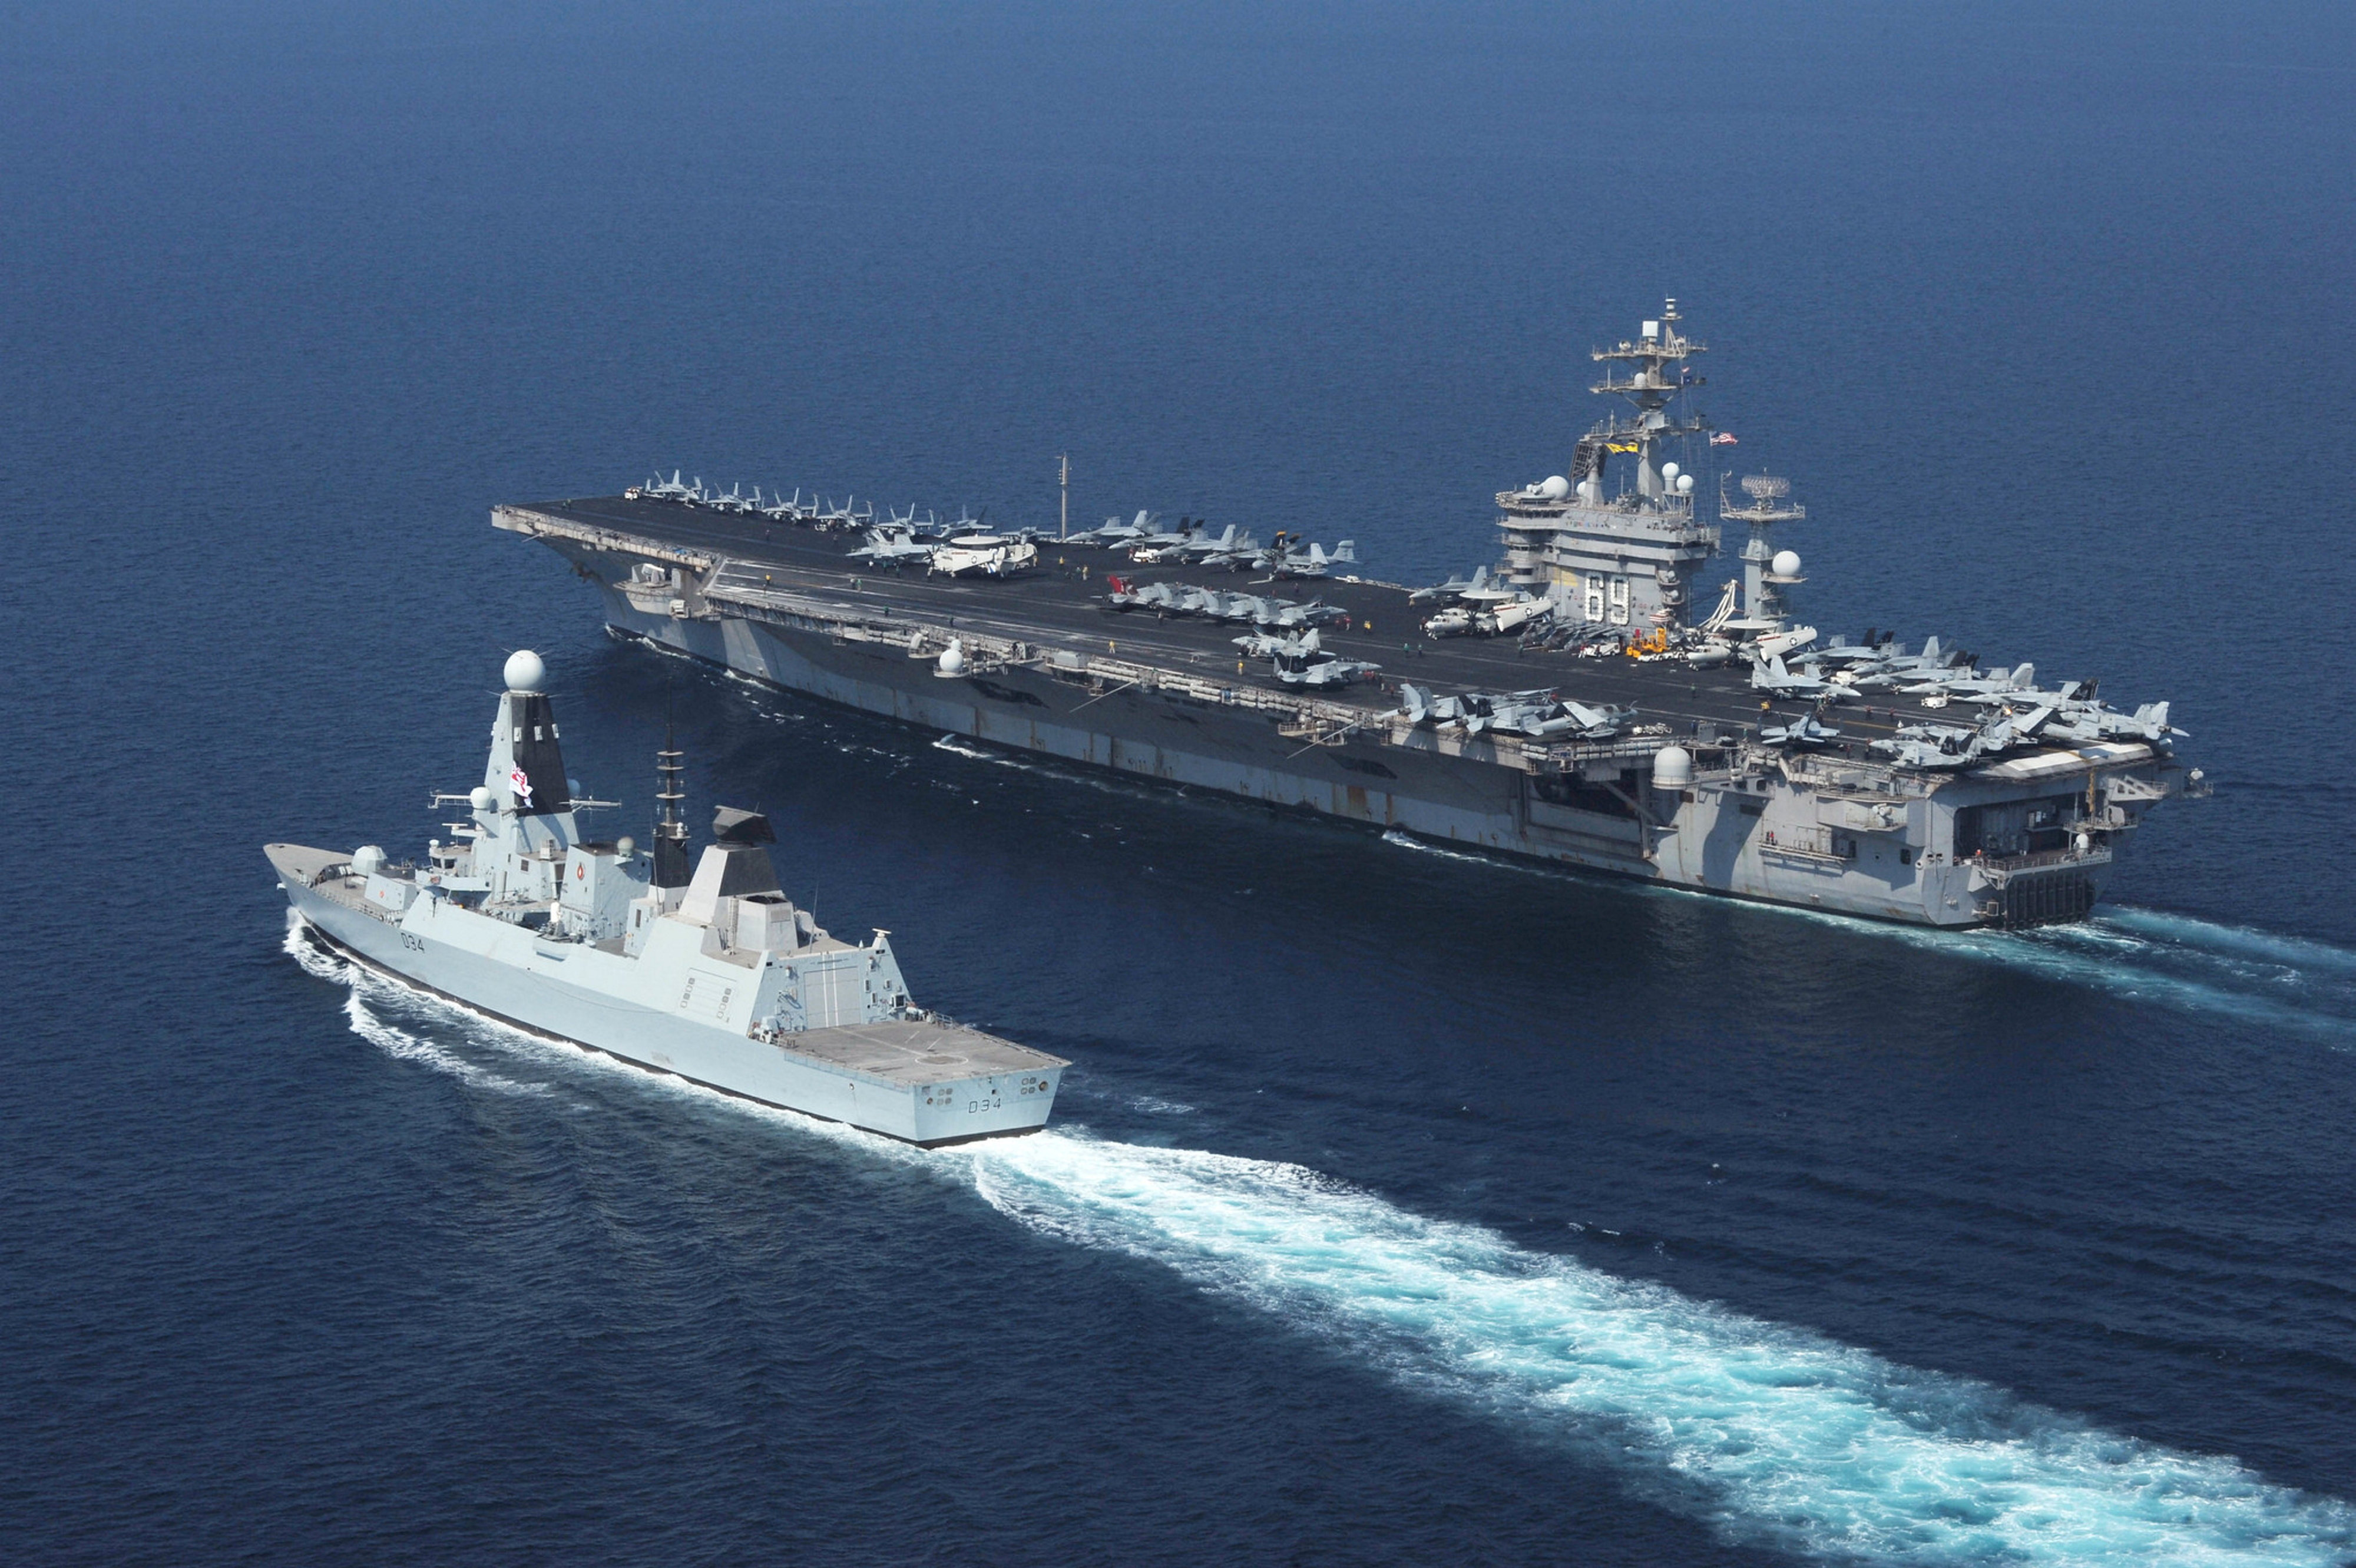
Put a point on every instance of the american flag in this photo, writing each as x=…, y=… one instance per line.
x=1723, y=438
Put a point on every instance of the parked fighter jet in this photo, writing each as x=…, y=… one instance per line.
x=1803, y=731
x=1955, y=745
x=1450, y=588
x=893, y=545
x=1487, y=612
x=1304, y=662
x=1772, y=677
x=1972, y=683
x=658, y=489
x=1311, y=563
x=1267, y=645
x=1206, y=550
x=1248, y=607
x=1285, y=614
x=1115, y=532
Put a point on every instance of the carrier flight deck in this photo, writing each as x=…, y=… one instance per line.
x=1565, y=701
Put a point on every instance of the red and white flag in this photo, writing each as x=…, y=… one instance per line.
x=520, y=785
x=1723, y=438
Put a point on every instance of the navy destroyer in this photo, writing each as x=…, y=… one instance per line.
x=1566, y=703
x=712, y=974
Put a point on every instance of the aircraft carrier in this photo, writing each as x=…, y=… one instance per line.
x=1565, y=704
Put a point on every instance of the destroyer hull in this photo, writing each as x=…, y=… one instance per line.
x=1786, y=845
x=505, y=973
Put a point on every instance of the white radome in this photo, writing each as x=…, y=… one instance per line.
x=481, y=797
x=1685, y=484
x=952, y=658
x=1786, y=563
x=524, y=671
x=1672, y=767
x=1670, y=471
x=1555, y=488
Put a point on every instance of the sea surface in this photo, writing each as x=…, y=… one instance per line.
x=1402, y=1206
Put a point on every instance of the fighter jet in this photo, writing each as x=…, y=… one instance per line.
x=658, y=489
x=1303, y=662
x=2020, y=678
x=1161, y=547
x=893, y=545
x=1311, y=563
x=1487, y=612
x=1248, y=607
x=1206, y=550
x=1126, y=595
x=1450, y=588
x=1285, y=613
x=1597, y=724
x=1884, y=670
x=1267, y=645
x=1803, y=731
x=1954, y=745
x=1116, y=532
x=1774, y=678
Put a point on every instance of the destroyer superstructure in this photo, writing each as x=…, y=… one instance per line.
x=712, y=974
x=1563, y=703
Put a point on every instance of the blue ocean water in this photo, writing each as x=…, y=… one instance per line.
x=1403, y=1207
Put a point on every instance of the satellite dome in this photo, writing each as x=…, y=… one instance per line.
x=952, y=658
x=1672, y=767
x=573, y=786
x=481, y=797
x=1670, y=471
x=1786, y=563
x=1685, y=484
x=625, y=847
x=1555, y=488
x=524, y=671
x=1590, y=489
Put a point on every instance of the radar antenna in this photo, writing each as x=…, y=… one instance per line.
x=1764, y=573
x=671, y=823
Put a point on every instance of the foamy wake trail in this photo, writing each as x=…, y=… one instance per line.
x=387, y=1037
x=2175, y=960
x=2241, y=941
x=1775, y=1435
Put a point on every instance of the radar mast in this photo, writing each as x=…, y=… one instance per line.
x=1762, y=585
x=1625, y=559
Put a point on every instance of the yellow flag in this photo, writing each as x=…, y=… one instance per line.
x=1616, y=447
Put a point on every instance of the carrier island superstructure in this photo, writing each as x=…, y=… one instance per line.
x=1583, y=701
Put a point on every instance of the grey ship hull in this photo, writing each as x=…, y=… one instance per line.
x=1131, y=695
x=829, y=1074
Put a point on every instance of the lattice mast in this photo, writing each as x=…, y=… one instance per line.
x=671, y=869
x=1659, y=375
x=1763, y=584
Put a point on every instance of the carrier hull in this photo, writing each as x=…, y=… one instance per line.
x=1783, y=840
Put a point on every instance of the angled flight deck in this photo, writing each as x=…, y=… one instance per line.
x=1563, y=706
